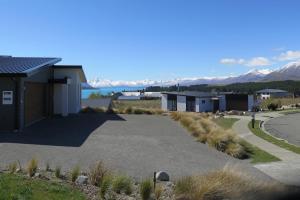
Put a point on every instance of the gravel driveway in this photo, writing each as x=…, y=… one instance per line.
x=285, y=127
x=136, y=145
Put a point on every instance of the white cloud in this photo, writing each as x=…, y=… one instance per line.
x=258, y=61
x=253, y=62
x=232, y=61
x=289, y=55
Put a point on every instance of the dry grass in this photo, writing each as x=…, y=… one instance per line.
x=122, y=184
x=228, y=183
x=58, y=171
x=93, y=110
x=280, y=101
x=150, y=107
x=207, y=131
x=12, y=167
x=146, y=189
x=158, y=191
x=75, y=173
x=97, y=173
x=32, y=167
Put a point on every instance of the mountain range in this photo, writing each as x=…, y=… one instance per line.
x=290, y=71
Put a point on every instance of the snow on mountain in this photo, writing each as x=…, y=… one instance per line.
x=290, y=71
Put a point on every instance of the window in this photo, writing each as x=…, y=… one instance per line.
x=203, y=101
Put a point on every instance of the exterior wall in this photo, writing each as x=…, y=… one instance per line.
x=60, y=100
x=164, y=102
x=7, y=112
x=204, y=105
x=250, y=102
x=181, y=103
x=222, y=103
x=74, y=93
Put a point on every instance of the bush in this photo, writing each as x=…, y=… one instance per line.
x=273, y=106
x=58, y=171
x=97, y=172
x=105, y=186
x=12, y=167
x=75, y=173
x=145, y=189
x=122, y=184
x=32, y=167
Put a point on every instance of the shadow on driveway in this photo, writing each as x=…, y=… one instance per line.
x=60, y=131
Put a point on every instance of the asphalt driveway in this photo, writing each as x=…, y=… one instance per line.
x=286, y=127
x=136, y=145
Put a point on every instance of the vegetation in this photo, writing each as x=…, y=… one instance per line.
x=95, y=95
x=122, y=184
x=12, y=167
x=290, y=86
x=225, y=123
x=146, y=189
x=75, y=173
x=58, y=171
x=143, y=104
x=228, y=183
x=48, y=166
x=32, y=167
x=93, y=110
x=105, y=186
x=97, y=173
x=281, y=143
x=19, y=187
x=158, y=191
x=274, y=103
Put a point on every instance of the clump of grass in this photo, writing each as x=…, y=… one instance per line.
x=57, y=172
x=47, y=168
x=105, y=186
x=158, y=191
x=145, y=189
x=12, y=167
x=93, y=110
x=75, y=173
x=32, y=167
x=122, y=184
x=207, y=131
x=97, y=172
x=228, y=183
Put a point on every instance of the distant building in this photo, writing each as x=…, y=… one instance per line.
x=272, y=93
x=34, y=88
x=206, y=102
x=139, y=95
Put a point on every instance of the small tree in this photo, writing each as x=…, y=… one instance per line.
x=95, y=95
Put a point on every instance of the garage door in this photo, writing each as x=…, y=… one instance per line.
x=35, y=102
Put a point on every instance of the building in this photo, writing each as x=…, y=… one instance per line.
x=272, y=93
x=139, y=95
x=34, y=88
x=206, y=102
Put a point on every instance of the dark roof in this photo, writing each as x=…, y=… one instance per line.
x=23, y=66
x=271, y=91
x=192, y=93
x=67, y=66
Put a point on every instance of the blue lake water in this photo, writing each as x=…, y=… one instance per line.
x=107, y=90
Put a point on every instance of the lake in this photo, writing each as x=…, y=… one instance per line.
x=107, y=90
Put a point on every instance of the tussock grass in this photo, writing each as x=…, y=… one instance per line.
x=106, y=186
x=207, y=131
x=228, y=183
x=97, y=173
x=145, y=189
x=93, y=110
x=280, y=102
x=158, y=191
x=32, y=167
x=58, y=172
x=149, y=107
x=75, y=173
x=122, y=184
x=12, y=167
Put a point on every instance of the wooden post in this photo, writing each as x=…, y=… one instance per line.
x=154, y=180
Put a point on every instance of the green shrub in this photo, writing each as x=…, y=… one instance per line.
x=97, y=172
x=273, y=106
x=32, y=167
x=105, y=186
x=75, y=173
x=122, y=184
x=12, y=167
x=58, y=171
x=146, y=189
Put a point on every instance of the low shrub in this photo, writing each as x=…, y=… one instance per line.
x=58, y=171
x=97, y=172
x=75, y=173
x=273, y=106
x=12, y=167
x=146, y=189
x=32, y=167
x=122, y=184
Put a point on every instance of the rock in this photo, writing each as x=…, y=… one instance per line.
x=37, y=175
x=162, y=176
x=81, y=180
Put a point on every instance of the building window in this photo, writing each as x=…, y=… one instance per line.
x=203, y=101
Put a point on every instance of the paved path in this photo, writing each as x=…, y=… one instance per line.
x=288, y=169
x=136, y=145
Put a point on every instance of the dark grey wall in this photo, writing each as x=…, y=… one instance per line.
x=7, y=112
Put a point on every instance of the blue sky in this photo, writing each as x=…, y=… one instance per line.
x=154, y=39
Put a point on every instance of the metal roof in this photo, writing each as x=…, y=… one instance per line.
x=271, y=91
x=23, y=66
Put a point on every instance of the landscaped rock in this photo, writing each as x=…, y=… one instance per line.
x=37, y=175
x=81, y=180
x=162, y=176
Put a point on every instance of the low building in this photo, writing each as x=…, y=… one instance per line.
x=34, y=88
x=206, y=102
x=272, y=93
x=139, y=95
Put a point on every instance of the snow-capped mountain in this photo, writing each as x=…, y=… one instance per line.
x=291, y=71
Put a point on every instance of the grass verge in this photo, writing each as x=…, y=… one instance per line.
x=281, y=143
x=225, y=123
x=18, y=187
